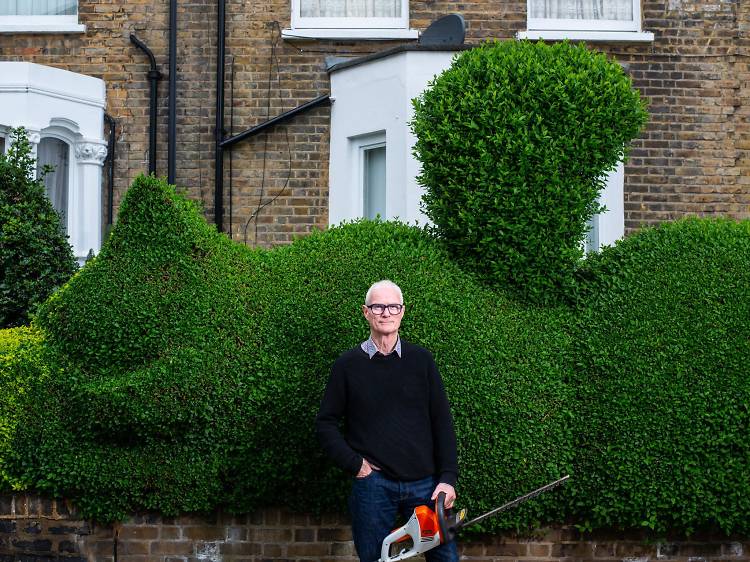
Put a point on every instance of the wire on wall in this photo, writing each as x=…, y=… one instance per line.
x=274, y=61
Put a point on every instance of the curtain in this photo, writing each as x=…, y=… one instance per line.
x=621, y=10
x=38, y=7
x=55, y=153
x=350, y=8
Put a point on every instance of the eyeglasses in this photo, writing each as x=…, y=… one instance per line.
x=379, y=309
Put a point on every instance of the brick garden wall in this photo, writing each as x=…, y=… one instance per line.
x=692, y=159
x=33, y=529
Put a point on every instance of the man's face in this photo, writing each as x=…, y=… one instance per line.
x=386, y=323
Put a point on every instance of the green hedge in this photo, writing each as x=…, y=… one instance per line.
x=663, y=381
x=179, y=371
x=514, y=140
x=21, y=366
x=191, y=368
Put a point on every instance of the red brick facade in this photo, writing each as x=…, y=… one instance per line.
x=32, y=528
x=692, y=159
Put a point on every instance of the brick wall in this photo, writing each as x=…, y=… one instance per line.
x=33, y=529
x=693, y=158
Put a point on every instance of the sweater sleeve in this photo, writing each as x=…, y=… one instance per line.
x=327, y=423
x=443, y=433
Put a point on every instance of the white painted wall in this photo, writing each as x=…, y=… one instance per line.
x=50, y=102
x=376, y=96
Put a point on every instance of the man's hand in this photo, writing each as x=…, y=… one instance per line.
x=366, y=469
x=450, y=494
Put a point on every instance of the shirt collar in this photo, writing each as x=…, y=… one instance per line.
x=369, y=347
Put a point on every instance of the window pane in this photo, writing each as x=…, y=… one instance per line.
x=620, y=10
x=54, y=152
x=592, y=236
x=374, y=182
x=2, y=145
x=350, y=8
x=38, y=7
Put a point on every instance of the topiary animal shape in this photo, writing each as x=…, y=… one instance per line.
x=189, y=368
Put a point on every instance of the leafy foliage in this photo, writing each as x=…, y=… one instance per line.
x=663, y=348
x=178, y=372
x=20, y=368
x=191, y=368
x=514, y=139
x=35, y=257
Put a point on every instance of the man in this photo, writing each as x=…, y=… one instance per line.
x=399, y=445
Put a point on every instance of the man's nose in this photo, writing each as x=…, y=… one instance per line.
x=386, y=312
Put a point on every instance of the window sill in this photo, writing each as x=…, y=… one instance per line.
x=596, y=36
x=43, y=28
x=370, y=34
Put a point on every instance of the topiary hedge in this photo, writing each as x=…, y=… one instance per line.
x=191, y=368
x=35, y=257
x=514, y=141
x=179, y=372
x=663, y=349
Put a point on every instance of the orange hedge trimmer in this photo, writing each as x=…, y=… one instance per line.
x=428, y=529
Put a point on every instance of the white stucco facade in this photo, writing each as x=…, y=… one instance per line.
x=372, y=100
x=50, y=102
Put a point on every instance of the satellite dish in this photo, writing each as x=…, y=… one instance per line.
x=448, y=31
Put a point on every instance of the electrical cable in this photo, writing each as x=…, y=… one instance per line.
x=274, y=60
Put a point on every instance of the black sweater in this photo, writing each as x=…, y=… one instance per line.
x=396, y=415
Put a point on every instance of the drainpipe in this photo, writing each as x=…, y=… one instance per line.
x=219, y=132
x=153, y=77
x=110, y=168
x=172, y=132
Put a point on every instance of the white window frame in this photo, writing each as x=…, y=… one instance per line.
x=65, y=132
x=363, y=148
x=300, y=22
x=555, y=29
x=587, y=25
x=41, y=24
x=349, y=28
x=357, y=147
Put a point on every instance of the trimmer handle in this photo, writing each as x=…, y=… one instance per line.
x=445, y=521
x=450, y=522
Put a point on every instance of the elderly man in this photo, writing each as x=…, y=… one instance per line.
x=399, y=444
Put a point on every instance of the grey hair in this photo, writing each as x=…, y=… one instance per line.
x=384, y=284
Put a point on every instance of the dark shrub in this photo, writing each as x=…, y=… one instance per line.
x=514, y=139
x=35, y=257
x=191, y=368
x=664, y=351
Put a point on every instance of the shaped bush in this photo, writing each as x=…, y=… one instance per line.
x=664, y=352
x=190, y=368
x=35, y=257
x=179, y=372
x=514, y=139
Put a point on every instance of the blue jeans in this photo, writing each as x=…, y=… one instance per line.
x=374, y=503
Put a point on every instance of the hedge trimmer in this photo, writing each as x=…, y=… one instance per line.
x=428, y=529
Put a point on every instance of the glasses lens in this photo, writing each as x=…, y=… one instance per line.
x=394, y=308
x=377, y=308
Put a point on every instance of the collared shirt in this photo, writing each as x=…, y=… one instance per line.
x=369, y=347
